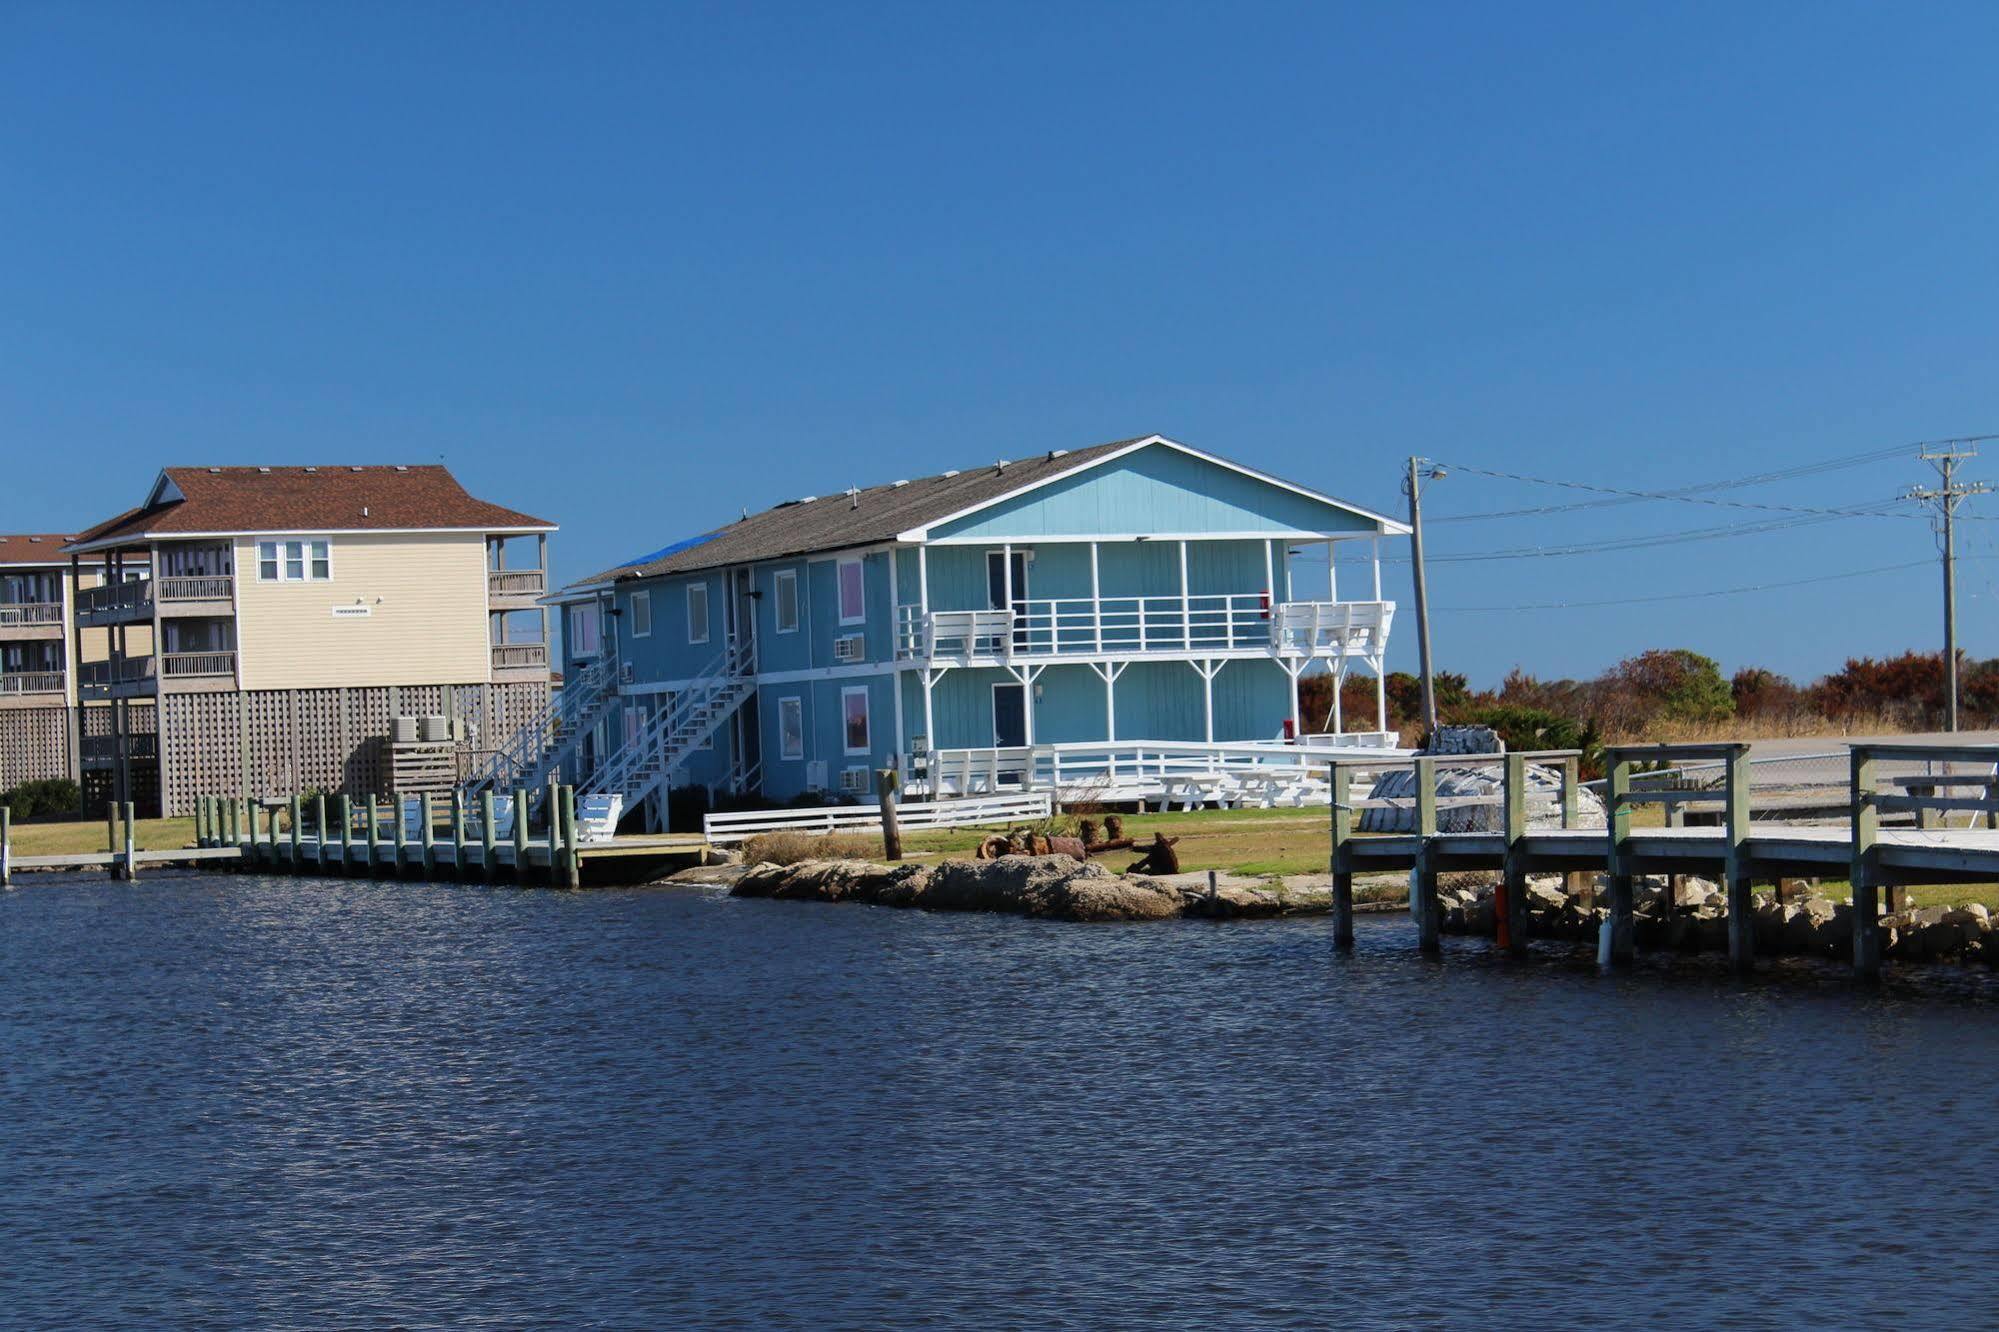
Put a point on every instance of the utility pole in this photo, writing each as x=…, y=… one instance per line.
x=1418, y=474
x=1945, y=457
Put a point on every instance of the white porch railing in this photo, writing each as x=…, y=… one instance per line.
x=723, y=829
x=1085, y=626
x=30, y=613
x=1166, y=771
x=196, y=587
x=197, y=665
x=31, y=682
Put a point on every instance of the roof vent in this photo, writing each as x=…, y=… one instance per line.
x=312, y=469
x=264, y=470
x=899, y=485
x=807, y=499
x=34, y=541
x=853, y=497
x=1053, y=454
x=353, y=469
x=215, y=471
x=952, y=472
x=1000, y=466
x=402, y=469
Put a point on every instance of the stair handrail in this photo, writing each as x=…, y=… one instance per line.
x=517, y=759
x=726, y=670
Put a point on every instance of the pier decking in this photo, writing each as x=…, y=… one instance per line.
x=1736, y=853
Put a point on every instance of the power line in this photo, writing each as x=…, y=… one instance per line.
x=1684, y=492
x=1693, y=596
x=1682, y=497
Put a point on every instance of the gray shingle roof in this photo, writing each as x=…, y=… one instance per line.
x=840, y=522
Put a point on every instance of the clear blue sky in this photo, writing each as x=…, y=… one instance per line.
x=636, y=267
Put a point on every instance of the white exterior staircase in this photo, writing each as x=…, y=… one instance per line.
x=645, y=762
x=550, y=741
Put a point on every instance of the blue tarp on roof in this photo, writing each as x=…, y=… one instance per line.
x=689, y=544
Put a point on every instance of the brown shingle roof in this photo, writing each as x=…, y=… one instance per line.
x=840, y=521
x=305, y=499
x=33, y=548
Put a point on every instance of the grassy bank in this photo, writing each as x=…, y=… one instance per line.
x=69, y=839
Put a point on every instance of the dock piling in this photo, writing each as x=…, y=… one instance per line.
x=1423, y=877
x=487, y=840
x=1865, y=868
x=1735, y=862
x=1620, y=945
x=374, y=837
x=319, y=838
x=1510, y=910
x=131, y=843
x=402, y=835
x=520, y=834
x=572, y=860
x=6, y=846
x=1342, y=857
x=346, y=834
x=426, y=832
x=458, y=835
x=297, y=868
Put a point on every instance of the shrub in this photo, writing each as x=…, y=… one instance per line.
x=789, y=848
x=1678, y=684
x=51, y=797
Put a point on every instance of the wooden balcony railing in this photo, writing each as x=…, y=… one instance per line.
x=30, y=613
x=520, y=656
x=197, y=587
x=31, y=682
x=100, y=675
x=133, y=596
x=516, y=582
x=104, y=748
x=197, y=665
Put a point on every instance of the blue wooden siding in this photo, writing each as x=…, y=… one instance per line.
x=1156, y=700
x=825, y=738
x=958, y=579
x=1156, y=489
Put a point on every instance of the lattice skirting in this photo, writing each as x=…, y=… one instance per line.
x=272, y=743
x=34, y=745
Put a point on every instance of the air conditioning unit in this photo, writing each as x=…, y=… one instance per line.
x=850, y=647
x=626, y=675
x=854, y=781
x=815, y=775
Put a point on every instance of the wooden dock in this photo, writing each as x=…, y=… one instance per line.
x=1736, y=853
x=323, y=838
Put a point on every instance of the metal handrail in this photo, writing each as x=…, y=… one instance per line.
x=1166, y=623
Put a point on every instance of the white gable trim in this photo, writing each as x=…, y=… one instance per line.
x=1385, y=526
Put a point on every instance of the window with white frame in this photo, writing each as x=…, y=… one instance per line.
x=295, y=561
x=791, y=728
x=697, y=612
x=854, y=718
x=641, y=615
x=853, y=592
x=784, y=593
x=583, y=640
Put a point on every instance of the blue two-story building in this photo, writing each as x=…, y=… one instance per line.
x=968, y=628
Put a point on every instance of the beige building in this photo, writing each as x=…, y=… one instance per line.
x=277, y=629
x=39, y=656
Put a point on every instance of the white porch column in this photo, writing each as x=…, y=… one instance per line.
x=1297, y=723
x=1186, y=607
x=1096, y=603
x=1339, y=682
x=1332, y=571
x=1208, y=669
x=1380, y=697
x=1269, y=574
x=1377, y=568
x=929, y=713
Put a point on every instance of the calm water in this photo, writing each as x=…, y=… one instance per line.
x=242, y=1102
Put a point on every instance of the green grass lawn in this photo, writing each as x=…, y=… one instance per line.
x=69, y=839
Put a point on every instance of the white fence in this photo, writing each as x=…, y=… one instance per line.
x=1188, y=774
x=722, y=829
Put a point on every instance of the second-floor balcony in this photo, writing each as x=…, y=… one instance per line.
x=175, y=594
x=40, y=686
x=172, y=672
x=520, y=659
x=1087, y=627
x=515, y=589
x=31, y=619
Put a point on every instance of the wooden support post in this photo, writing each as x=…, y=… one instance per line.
x=887, y=783
x=426, y=832
x=319, y=832
x=6, y=846
x=201, y=821
x=1865, y=869
x=457, y=834
x=346, y=833
x=1342, y=857
x=1510, y=911
x=253, y=851
x=1423, y=881
x=520, y=834
x=374, y=837
x=1620, y=946
x=487, y=839
x=552, y=803
x=1735, y=861
x=297, y=868
x=131, y=843
x=572, y=853
x=401, y=833
x=232, y=834
x=111, y=829
x=1676, y=817
x=271, y=840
